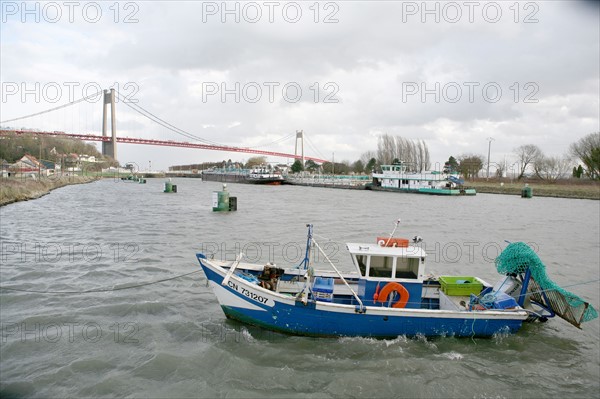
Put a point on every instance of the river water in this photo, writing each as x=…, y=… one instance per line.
x=171, y=339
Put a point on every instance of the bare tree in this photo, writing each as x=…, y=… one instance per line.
x=552, y=168
x=413, y=153
x=501, y=168
x=423, y=151
x=527, y=155
x=386, y=149
x=367, y=156
x=401, y=150
x=420, y=155
x=587, y=149
x=426, y=159
x=411, y=156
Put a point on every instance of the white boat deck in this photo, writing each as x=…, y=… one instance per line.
x=451, y=302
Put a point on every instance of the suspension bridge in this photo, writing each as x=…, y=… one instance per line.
x=109, y=142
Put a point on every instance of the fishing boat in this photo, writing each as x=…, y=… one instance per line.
x=387, y=293
x=398, y=178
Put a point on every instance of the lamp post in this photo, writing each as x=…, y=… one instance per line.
x=40, y=160
x=490, y=139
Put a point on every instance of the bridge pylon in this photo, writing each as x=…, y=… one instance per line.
x=109, y=148
x=299, y=135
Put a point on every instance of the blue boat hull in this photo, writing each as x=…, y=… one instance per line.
x=326, y=320
x=361, y=325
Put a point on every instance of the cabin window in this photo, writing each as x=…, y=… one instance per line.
x=362, y=263
x=381, y=266
x=407, y=268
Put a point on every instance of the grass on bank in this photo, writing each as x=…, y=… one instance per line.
x=17, y=189
x=563, y=189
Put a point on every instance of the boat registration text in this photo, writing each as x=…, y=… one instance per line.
x=250, y=294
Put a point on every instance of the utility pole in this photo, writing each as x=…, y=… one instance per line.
x=490, y=139
x=333, y=163
x=40, y=160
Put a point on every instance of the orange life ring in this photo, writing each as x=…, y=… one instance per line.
x=392, y=242
x=399, y=288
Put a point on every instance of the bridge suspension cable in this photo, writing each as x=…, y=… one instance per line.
x=314, y=148
x=52, y=109
x=144, y=112
x=204, y=143
x=273, y=142
x=156, y=119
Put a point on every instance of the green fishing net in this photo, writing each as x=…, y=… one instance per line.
x=518, y=257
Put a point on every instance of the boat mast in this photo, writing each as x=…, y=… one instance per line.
x=305, y=262
x=393, y=231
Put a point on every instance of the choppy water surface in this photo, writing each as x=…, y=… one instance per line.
x=172, y=340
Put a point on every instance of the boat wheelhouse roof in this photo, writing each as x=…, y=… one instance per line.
x=375, y=249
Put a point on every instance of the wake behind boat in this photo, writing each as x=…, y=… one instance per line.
x=388, y=294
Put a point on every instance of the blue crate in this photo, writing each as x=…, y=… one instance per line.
x=322, y=289
x=504, y=301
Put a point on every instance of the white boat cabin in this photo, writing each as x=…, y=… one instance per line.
x=379, y=265
x=375, y=262
x=397, y=176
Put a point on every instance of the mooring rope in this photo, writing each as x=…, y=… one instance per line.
x=99, y=289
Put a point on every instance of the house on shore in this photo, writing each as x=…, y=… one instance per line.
x=30, y=166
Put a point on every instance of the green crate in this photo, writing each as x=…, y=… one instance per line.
x=455, y=285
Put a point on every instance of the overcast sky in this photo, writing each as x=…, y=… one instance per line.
x=450, y=73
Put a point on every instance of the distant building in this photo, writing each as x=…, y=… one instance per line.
x=51, y=167
x=87, y=158
x=28, y=165
x=4, y=169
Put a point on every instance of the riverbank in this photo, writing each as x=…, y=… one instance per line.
x=586, y=190
x=15, y=190
x=571, y=188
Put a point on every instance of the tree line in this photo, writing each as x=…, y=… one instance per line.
x=252, y=162
x=414, y=154
x=14, y=146
x=581, y=160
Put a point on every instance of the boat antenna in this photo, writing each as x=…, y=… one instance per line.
x=306, y=260
x=393, y=231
